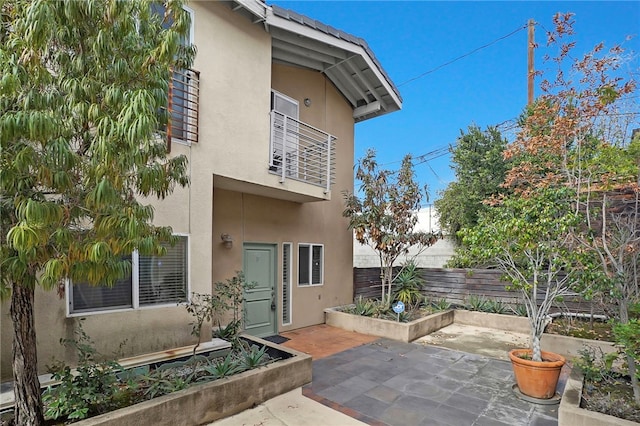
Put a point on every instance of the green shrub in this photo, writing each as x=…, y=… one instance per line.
x=364, y=307
x=254, y=357
x=519, y=310
x=476, y=303
x=496, y=307
x=92, y=389
x=627, y=336
x=593, y=364
x=441, y=305
x=408, y=286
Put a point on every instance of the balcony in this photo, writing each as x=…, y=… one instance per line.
x=301, y=152
x=184, y=99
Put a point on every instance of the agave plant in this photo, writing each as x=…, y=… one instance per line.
x=408, y=285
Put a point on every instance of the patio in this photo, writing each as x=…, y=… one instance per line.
x=385, y=382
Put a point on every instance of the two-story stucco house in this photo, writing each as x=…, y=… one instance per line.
x=266, y=119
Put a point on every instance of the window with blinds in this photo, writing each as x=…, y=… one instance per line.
x=163, y=279
x=156, y=280
x=86, y=297
x=286, y=283
x=310, y=264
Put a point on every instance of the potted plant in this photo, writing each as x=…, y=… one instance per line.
x=529, y=237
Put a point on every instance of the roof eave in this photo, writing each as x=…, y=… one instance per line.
x=346, y=60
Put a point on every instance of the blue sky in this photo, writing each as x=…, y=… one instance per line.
x=485, y=88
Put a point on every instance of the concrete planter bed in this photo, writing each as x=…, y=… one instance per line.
x=207, y=402
x=564, y=345
x=570, y=413
x=403, y=331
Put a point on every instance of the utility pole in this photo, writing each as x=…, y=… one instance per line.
x=531, y=44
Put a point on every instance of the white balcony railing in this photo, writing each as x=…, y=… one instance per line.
x=301, y=152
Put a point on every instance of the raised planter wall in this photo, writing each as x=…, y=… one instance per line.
x=221, y=398
x=570, y=413
x=569, y=347
x=497, y=321
x=403, y=331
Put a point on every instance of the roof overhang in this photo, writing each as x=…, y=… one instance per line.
x=347, y=61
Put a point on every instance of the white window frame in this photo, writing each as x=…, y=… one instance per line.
x=288, y=157
x=135, y=278
x=289, y=284
x=311, y=246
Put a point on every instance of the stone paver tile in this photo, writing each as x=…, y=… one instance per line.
x=475, y=391
x=415, y=403
x=447, y=383
x=449, y=355
x=326, y=379
x=453, y=416
x=546, y=410
x=338, y=393
x=497, y=371
x=543, y=421
x=505, y=413
x=354, y=368
x=467, y=403
x=428, y=391
x=488, y=421
x=370, y=406
x=457, y=374
x=358, y=385
x=492, y=382
x=399, y=416
x=379, y=374
x=433, y=365
x=384, y=393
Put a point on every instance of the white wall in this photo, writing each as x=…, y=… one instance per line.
x=434, y=256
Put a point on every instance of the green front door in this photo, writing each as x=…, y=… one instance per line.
x=259, y=264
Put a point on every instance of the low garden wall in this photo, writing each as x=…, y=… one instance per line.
x=215, y=400
x=403, y=331
x=570, y=413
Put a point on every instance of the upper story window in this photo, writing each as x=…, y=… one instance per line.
x=310, y=264
x=285, y=134
x=155, y=280
x=184, y=91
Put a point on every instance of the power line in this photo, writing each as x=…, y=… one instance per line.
x=463, y=56
x=439, y=152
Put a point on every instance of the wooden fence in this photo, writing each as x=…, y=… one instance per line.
x=457, y=285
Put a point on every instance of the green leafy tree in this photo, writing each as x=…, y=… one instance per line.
x=480, y=169
x=577, y=135
x=530, y=240
x=384, y=217
x=83, y=94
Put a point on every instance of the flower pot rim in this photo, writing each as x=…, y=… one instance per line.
x=558, y=360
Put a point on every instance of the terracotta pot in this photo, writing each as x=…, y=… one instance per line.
x=537, y=379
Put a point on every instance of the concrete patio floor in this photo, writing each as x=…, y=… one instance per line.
x=359, y=379
x=476, y=340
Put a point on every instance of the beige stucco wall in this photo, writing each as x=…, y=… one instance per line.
x=258, y=219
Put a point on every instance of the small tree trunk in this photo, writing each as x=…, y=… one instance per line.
x=28, y=405
x=536, y=354
x=631, y=366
